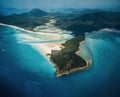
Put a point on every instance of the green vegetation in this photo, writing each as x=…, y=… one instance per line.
x=67, y=59
x=87, y=22
x=30, y=20
x=78, y=23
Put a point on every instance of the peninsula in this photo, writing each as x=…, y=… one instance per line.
x=66, y=60
x=56, y=31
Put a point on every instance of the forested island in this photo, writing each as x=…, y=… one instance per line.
x=66, y=60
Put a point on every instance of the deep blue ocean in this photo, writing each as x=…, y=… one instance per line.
x=24, y=72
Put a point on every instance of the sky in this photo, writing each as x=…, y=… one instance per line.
x=29, y=4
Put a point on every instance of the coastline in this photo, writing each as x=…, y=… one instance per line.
x=84, y=51
x=60, y=74
x=22, y=29
x=47, y=48
x=88, y=64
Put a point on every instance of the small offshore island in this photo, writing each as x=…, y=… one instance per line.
x=65, y=53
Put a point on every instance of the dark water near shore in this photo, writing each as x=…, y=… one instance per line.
x=24, y=72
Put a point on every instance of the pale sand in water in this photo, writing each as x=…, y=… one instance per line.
x=16, y=27
x=45, y=48
x=50, y=35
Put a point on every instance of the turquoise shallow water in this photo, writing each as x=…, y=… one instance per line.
x=24, y=72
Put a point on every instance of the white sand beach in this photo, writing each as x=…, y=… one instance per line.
x=46, y=35
x=46, y=48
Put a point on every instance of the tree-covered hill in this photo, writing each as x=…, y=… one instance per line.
x=80, y=23
x=29, y=20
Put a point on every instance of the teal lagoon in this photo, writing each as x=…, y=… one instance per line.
x=25, y=72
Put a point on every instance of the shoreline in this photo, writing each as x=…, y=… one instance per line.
x=88, y=52
x=16, y=27
x=47, y=48
x=33, y=32
x=60, y=74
